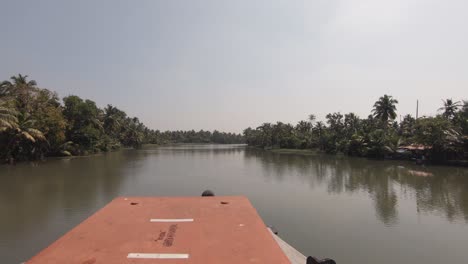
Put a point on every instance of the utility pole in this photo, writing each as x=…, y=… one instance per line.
x=417, y=108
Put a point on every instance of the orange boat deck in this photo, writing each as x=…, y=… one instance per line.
x=220, y=229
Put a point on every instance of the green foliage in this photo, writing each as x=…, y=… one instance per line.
x=461, y=118
x=444, y=138
x=407, y=126
x=19, y=133
x=449, y=109
x=23, y=141
x=385, y=108
x=201, y=136
x=8, y=115
x=84, y=127
x=49, y=118
x=34, y=124
x=377, y=136
x=382, y=142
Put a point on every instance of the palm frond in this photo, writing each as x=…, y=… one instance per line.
x=37, y=134
x=97, y=123
x=8, y=118
x=28, y=123
x=66, y=144
x=6, y=84
x=7, y=110
x=27, y=136
x=5, y=124
x=66, y=153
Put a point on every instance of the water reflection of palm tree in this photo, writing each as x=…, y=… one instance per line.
x=444, y=192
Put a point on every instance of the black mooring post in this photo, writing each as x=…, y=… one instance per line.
x=207, y=193
x=312, y=260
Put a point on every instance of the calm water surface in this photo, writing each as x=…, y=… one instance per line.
x=352, y=210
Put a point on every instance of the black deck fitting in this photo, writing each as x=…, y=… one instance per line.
x=312, y=260
x=273, y=229
x=207, y=193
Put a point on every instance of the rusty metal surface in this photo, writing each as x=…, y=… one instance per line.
x=224, y=230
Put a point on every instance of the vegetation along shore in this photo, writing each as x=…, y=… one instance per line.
x=441, y=139
x=35, y=123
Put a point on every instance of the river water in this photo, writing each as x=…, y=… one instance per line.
x=350, y=209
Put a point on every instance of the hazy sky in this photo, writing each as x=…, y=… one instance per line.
x=228, y=65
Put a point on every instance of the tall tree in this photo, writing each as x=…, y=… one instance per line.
x=21, y=136
x=22, y=89
x=113, y=121
x=450, y=108
x=385, y=108
x=84, y=126
x=49, y=118
x=407, y=126
x=265, y=134
x=23, y=141
x=312, y=118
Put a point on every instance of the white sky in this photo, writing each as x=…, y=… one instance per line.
x=228, y=65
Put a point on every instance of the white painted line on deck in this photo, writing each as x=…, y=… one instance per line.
x=172, y=220
x=157, y=256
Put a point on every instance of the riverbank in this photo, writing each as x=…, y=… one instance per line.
x=295, y=151
x=313, y=152
x=86, y=154
x=101, y=152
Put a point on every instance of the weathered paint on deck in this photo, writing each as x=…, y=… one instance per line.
x=224, y=230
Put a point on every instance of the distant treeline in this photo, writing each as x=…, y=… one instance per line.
x=200, y=137
x=439, y=138
x=34, y=123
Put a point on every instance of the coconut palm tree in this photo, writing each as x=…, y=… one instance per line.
x=22, y=89
x=20, y=81
x=304, y=127
x=450, y=108
x=18, y=86
x=8, y=119
x=4, y=89
x=26, y=129
x=385, y=108
x=22, y=139
x=312, y=118
x=266, y=130
x=351, y=123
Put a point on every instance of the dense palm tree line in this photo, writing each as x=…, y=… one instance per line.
x=34, y=123
x=444, y=136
